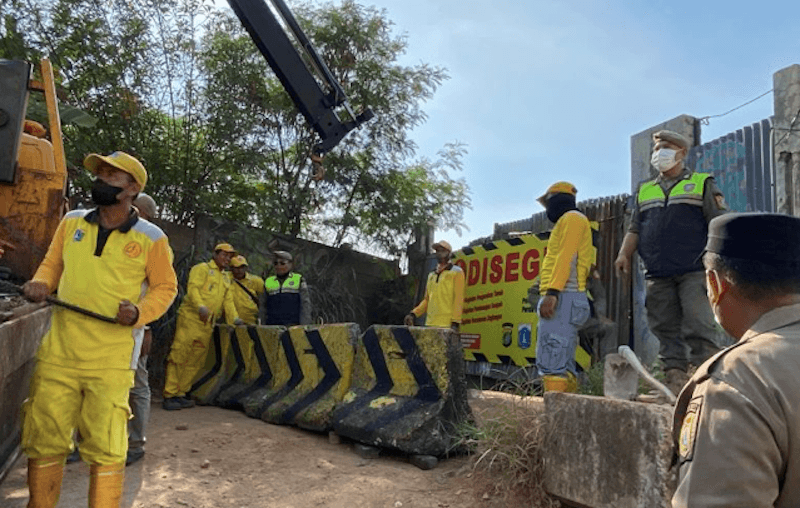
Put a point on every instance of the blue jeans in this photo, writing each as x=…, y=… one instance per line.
x=557, y=337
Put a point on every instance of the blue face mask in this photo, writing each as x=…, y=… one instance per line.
x=104, y=194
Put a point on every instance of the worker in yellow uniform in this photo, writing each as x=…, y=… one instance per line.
x=207, y=296
x=100, y=260
x=444, y=293
x=247, y=288
x=563, y=305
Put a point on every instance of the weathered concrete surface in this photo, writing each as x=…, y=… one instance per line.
x=19, y=340
x=620, y=379
x=606, y=453
x=786, y=127
x=408, y=391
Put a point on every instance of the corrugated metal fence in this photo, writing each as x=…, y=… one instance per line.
x=741, y=163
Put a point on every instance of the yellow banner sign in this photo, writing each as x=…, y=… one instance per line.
x=499, y=323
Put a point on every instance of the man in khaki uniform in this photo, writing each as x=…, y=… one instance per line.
x=737, y=421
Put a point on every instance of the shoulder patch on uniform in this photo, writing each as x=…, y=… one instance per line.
x=148, y=228
x=689, y=429
x=74, y=214
x=689, y=187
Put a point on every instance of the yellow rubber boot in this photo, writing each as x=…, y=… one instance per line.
x=105, y=485
x=554, y=383
x=44, y=481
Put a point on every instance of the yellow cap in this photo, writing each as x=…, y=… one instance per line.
x=557, y=188
x=442, y=245
x=225, y=247
x=119, y=160
x=238, y=261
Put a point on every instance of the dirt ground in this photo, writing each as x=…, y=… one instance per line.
x=207, y=457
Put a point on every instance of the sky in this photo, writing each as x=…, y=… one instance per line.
x=542, y=91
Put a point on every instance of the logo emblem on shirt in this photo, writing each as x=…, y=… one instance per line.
x=132, y=249
x=689, y=187
x=78, y=236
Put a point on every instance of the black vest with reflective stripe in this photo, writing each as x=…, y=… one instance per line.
x=672, y=229
x=283, y=300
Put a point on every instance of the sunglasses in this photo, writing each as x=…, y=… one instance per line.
x=277, y=263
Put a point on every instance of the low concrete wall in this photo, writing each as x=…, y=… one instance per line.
x=607, y=453
x=19, y=340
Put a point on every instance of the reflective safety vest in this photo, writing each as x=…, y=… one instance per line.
x=283, y=300
x=673, y=229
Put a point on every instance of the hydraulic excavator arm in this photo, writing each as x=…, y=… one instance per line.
x=318, y=104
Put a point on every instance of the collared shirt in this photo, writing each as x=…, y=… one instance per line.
x=209, y=286
x=96, y=269
x=737, y=422
x=246, y=307
x=444, y=297
x=713, y=199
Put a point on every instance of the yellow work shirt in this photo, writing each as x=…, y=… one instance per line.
x=444, y=298
x=245, y=306
x=134, y=264
x=569, y=254
x=209, y=286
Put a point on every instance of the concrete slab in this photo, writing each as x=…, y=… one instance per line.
x=606, y=453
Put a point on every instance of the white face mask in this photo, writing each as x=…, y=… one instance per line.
x=664, y=159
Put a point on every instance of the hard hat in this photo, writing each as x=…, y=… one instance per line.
x=557, y=188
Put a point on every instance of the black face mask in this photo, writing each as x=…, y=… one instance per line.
x=104, y=194
x=558, y=205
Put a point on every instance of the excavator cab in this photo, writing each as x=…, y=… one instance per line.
x=33, y=171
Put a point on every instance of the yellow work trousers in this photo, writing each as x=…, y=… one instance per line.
x=63, y=399
x=187, y=355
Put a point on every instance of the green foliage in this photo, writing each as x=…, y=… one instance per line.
x=181, y=86
x=592, y=380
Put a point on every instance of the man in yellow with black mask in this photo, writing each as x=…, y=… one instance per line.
x=207, y=296
x=247, y=289
x=563, y=307
x=100, y=260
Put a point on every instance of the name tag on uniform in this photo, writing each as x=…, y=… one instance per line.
x=689, y=429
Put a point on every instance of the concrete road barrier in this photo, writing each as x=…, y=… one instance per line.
x=408, y=391
x=218, y=368
x=324, y=356
x=253, y=369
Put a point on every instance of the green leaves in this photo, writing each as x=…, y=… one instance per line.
x=180, y=85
